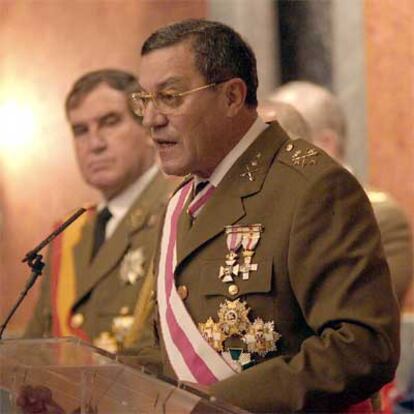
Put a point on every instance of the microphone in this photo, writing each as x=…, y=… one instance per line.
x=31, y=255
x=34, y=261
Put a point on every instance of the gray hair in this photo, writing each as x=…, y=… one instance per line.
x=318, y=106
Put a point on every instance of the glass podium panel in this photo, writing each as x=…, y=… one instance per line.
x=84, y=378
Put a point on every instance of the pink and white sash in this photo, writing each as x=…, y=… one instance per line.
x=190, y=355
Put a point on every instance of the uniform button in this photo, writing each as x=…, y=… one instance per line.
x=289, y=147
x=233, y=290
x=152, y=221
x=152, y=294
x=124, y=310
x=77, y=320
x=182, y=292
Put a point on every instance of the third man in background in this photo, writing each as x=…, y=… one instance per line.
x=326, y=119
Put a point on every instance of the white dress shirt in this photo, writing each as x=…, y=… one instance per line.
x=119, y=205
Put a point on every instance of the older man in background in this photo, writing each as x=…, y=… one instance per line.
x=288, y=118
x=323, y=113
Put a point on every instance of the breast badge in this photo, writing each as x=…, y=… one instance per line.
x=132, y=266
x=259, y=337
x=107, y=342
x=121, y=326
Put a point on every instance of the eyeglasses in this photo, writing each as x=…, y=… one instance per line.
x=166, y=102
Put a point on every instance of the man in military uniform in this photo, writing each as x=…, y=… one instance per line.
x=327, y=122
x=95, y=269
x=325, y=116
x=272, y=287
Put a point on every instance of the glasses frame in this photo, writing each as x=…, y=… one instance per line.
x=150, y=96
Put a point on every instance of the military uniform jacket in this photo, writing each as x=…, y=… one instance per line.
x=321, y=278
x=396, y=237
x=101, y=294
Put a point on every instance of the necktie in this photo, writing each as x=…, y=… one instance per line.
x=199, y=187
x=101, y=221
x=202, y=193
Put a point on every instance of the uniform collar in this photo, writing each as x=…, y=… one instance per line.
x=228, y=161
x=120, y=205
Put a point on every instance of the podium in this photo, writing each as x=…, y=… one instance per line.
x=84, y=378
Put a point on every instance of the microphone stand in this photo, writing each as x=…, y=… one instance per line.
x=35, y=262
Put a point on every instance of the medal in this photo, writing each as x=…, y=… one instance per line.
x=120, y=327
x=132, y=266
x=247, y=236
x=249, y=241
x=107, y=342
x=237, y=359
x=212, y=334
x=259, y=337
x=233, y=318
x=233, y=241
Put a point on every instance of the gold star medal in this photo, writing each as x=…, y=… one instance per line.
x=106, y=341
x=121, y=326
x=212, y=334
x=233, y=318
x=132, y=266
x=261, y=337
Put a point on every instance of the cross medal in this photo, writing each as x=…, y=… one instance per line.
x=251, y=237
x=234, y=239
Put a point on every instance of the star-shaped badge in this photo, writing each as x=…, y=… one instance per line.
x=132, y=266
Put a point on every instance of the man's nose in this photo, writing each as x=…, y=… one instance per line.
x=97, y=140
x=153, y=117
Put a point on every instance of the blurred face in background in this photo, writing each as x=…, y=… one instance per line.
x=112, y=148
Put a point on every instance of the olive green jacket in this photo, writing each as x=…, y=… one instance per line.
x=321, y=278
x=101, y=296
x=396, y=237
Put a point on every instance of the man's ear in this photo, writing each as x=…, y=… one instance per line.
x=235, y=91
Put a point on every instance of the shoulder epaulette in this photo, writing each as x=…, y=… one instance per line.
x=299, y=153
